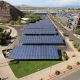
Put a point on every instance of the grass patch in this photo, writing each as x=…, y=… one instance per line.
x=24, y=68
x=2, y=27
x=77, y=31
x=65, y=34
x=77, y=45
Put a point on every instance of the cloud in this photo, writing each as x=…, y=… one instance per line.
x=63, y=2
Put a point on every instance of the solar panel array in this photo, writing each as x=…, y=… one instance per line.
x=38, y=26
x=45, y=12
x=44, y=27
x=42, y=40
x=40, y=31
x=41, y=49
x=34, y=52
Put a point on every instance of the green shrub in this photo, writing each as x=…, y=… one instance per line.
x=65, y=34
x=77, y=45
x=65, y=56
x=2, y=27
x=78, y=63
x=4, y=37
x=78, y=48
x=77, y=31
x=69, y=67
x=33, y=18
x=57, y=72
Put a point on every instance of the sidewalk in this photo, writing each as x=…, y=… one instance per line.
x=51, y=70
x=5, y=70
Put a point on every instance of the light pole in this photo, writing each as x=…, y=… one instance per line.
x=50, y=71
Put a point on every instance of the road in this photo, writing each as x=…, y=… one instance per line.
x=71, y=75
x=70, y=33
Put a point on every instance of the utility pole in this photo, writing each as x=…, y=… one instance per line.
x=50, y=71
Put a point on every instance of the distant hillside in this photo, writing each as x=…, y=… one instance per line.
x=72, y=6
x=9, y=12
x=24, y=7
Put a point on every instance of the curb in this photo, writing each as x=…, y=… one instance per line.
x=62, y=73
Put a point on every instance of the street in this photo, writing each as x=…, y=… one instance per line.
x=73, y=74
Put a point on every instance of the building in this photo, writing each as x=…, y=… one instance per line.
x=74, y=21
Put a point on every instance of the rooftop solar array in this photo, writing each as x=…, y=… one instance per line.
x=57, y=40
x=34, y=52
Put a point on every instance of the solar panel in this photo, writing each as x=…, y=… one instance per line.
x=39, y=26
x=39, y=31
x=34, y=52
x=45, y=23
x=52, y=40
x=40, y=12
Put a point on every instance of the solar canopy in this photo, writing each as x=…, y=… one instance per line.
x=39, y=26
x=40, y=31
x=34, y=52
x=45, y=23
x=42, y=40
x=45, y=12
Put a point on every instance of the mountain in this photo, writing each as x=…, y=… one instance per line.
x=23, y=5
x=9, y=12
x=72, y=6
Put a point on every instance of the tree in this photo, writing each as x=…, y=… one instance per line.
x=33, y=18
x=4, y=37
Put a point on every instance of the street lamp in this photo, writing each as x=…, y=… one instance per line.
x=50, y=71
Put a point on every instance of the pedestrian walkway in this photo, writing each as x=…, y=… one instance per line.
x=14, y=32
x=5, y=70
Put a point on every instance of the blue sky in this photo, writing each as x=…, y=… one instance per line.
x=44, y=3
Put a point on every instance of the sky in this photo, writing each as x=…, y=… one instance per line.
x=45, y=3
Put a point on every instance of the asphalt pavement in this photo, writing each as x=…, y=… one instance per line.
x=73, y=74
